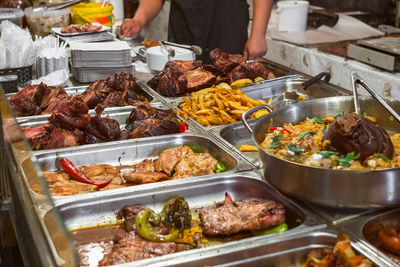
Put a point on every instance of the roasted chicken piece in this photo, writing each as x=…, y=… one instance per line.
x=101, y=129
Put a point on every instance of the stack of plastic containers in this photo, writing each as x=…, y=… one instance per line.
x=96, y=61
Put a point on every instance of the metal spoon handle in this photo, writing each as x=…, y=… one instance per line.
x=195, y=48
x=357, y=80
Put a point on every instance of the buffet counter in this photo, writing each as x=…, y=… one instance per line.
x=47, y=221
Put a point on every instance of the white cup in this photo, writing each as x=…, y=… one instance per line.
x=292, y=15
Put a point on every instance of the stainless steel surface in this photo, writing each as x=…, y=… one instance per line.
x=95, y=210
x=355, y=94
x=366, y=229
x=327, y=187
x=373, y=57
x=195, y=48
x=288, y=252
x=251, y=111
x=378, y=98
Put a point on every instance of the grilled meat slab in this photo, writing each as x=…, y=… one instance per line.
x=230, y=217
x=196, y=79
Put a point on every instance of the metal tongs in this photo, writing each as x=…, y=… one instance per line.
x=195, y=48
x=57, y=6
x=356, y=80
x=170, y=51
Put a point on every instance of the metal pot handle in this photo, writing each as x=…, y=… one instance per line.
x=325, y=75
x=251, y=111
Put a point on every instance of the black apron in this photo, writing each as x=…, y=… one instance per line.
x=209, y=24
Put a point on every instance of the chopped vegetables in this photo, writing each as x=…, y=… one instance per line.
x=176, y=214
x=220, y=167
x=281, y=129
x=327, y=154
x=318, y=120
x=324, y=129
x=305, y=133
x=274, y=230
x=385, y=159
x=345, y=161
x=275, y=141
x=295, y=149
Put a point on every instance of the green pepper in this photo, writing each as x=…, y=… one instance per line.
x=220, y=167
x=274, y=230
x=147, y=231
x=176, y=214
x=196, y=148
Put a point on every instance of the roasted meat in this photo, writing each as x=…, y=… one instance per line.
x=61, y=184
x=101, y=129
x=54, y=94
x=24, y=106
x=95, y=93
x=131, y=247
x=354, y=133
x=230, y=217
x=226, y=62
x=79, y=28
x=71, y=114
x=196, y=79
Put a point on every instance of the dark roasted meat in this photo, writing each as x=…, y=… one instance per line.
x=353, y=133
x=54, y=94
x=196, y=79
x=56, y=137
x=101, y=129
x=128, y=213
x=230, y=217
x=79, y=28
x=146, y=120
x=95, y=93
x=131, y=247
x=226, y=62
x=73, y=114
x=259, y=70
x=24, y=106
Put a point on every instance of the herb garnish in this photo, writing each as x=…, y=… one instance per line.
x=385, y=159
x=317, y=120
x=327, y=153
x=305, y=133
x=324, y=129
x=341, y=114
x=275, y=141
x=345, y=161
x=295, y=149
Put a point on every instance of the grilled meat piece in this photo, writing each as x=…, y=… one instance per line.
x=224, y=61
x=77, y=28
x=24, y=106
x=131, y=247
x=101, y=129
x=259, y=70
x=56, y=137
x=71, y=114
x=54, y=94
x=182, y=66
x=230, y=217
x=196, y=79
x=144, y=177
x=353, y=133
x=128, y=213
x=95, y=93
x=122, y=81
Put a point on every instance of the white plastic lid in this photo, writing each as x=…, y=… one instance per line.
x=45, y=13
x=10, y=13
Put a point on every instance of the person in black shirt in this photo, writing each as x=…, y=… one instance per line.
x=210, y=24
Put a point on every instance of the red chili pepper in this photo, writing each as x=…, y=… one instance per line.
x=77, y=175
x=183, y=128
x=228, y=197
x=280, y=129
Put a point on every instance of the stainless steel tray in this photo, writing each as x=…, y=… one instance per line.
x=92, y=210
x=367, y=226
x=133, y=151
x=288, y=252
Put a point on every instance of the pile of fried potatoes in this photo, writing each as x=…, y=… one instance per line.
x=219, y=105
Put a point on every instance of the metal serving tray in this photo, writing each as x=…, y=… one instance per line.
x=288, y=252
x=201, y=192
x=132, y=152
x=367, y=226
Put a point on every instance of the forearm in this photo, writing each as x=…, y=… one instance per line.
x=261, y=13
x=148, y=9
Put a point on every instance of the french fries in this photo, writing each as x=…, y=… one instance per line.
x=219, y=105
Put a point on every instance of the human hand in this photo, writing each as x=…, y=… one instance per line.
x=131, y=26
x=255, y=47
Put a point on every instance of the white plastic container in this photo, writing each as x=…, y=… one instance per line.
x=157, y=57
x=292, y=15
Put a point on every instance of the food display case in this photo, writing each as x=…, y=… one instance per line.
x=46, y=224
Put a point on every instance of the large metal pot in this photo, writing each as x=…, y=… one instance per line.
x=327, y=187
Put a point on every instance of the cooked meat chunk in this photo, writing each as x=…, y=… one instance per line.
x=131, y=247
x=224, y=61
x=259, y=70
x=95, y=93
x=353, y=133
x=144, y=177
x=54, y=94
x=23, y=106
x=60, y=184
x=230, y=217
x=196, y=79
x=168, y=159
x=101, y=129
x=79, y=28
x=128, y=213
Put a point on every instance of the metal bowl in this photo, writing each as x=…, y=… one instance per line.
x=327, y=187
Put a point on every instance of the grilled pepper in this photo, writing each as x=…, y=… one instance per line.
x=147, y=231
x=75, y=174
x=277, y=229
x=176, y=214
